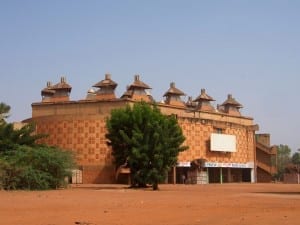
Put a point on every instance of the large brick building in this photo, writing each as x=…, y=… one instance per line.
x=222, y=143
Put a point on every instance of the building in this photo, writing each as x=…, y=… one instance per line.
x=291, y=174
x=222, y=141
x=266, y=158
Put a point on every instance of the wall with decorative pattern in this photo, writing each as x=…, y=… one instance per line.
x=80, y=126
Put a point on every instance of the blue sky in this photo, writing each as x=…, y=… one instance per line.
x=250, y=49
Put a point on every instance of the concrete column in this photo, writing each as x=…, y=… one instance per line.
x=252, y=175
x=229, y=175
x=221, y=175
x=174, y=174
x=207, y=174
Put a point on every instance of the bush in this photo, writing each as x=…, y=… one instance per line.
x=35, y=168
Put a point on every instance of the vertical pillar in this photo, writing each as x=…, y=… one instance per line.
x=174, y=174
x=229, y=175
x=252, y=175
x=221, y=175
x=207, y=175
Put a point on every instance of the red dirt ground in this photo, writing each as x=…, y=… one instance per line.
x=212, y=204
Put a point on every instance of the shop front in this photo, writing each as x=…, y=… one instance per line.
x=230, y=172
x=212, y=172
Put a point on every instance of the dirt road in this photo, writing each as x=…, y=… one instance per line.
x=226, y=204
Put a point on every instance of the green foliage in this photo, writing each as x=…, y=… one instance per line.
x=10, y=138
x=148, y=140
x=4, y=110
x=26, y=165
x=296, y=158
x=283, y=159
x=35, y=168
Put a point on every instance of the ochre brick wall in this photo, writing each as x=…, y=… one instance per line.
x=80, y=127
x=86, y=137
x=263, y=157
x=290, y=178
x=197, y=133
x=263, y=176
x=97, y=174
x=264, y=139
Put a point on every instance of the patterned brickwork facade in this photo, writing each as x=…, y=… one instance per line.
x=80, y=127
x=197, y=133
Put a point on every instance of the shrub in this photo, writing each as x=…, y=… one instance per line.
x=35, y=168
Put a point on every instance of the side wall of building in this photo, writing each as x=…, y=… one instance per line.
x=80, y=128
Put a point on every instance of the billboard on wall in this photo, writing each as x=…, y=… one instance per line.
x=223, y=142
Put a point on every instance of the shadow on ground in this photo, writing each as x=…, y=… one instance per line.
x=279, y=193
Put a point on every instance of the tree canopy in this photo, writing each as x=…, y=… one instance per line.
x=147, y=140
x=24, y=164
x=296, y=158
x=283, y=159
x=4, y=110
x=10, y=137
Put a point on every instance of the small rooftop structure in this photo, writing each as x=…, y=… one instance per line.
x=59, y=92
x=47, y=92
x=137, y=91
x=62, y=85
x=173, y=96
x=231, y=106
x=106, y=89
x=107, y=82
x=138, y=84
x=204, y=101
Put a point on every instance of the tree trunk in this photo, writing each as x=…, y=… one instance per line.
x=155, y=186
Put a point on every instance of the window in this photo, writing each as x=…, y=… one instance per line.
x=219, y=130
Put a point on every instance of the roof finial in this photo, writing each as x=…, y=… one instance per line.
x=136, y=77
x=172, y=84
x=63, y=79
x=107, y=76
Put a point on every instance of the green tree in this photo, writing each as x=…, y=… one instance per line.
x=296, y=162
x=10, y=137
x=4, y=110
x=147, y=140
x=283, y=159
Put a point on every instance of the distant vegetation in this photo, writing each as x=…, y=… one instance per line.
x=24, y=164
x=285, y=160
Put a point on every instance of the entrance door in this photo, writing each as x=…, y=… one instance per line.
x=246, y=175
x=214, y=175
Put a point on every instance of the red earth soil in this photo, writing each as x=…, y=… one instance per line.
x=212, y=204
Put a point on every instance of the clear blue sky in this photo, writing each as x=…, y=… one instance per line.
x=250, y=49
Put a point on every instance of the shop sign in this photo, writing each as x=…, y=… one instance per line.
x=229, y=165
x=184, y=164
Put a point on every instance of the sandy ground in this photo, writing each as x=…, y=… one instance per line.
x=212, y=204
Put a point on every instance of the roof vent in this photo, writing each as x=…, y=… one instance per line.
x=136, y=77
x=107, y=76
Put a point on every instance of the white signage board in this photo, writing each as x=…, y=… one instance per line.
x=229, y=165
x=184, y=164
x=223, y=142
